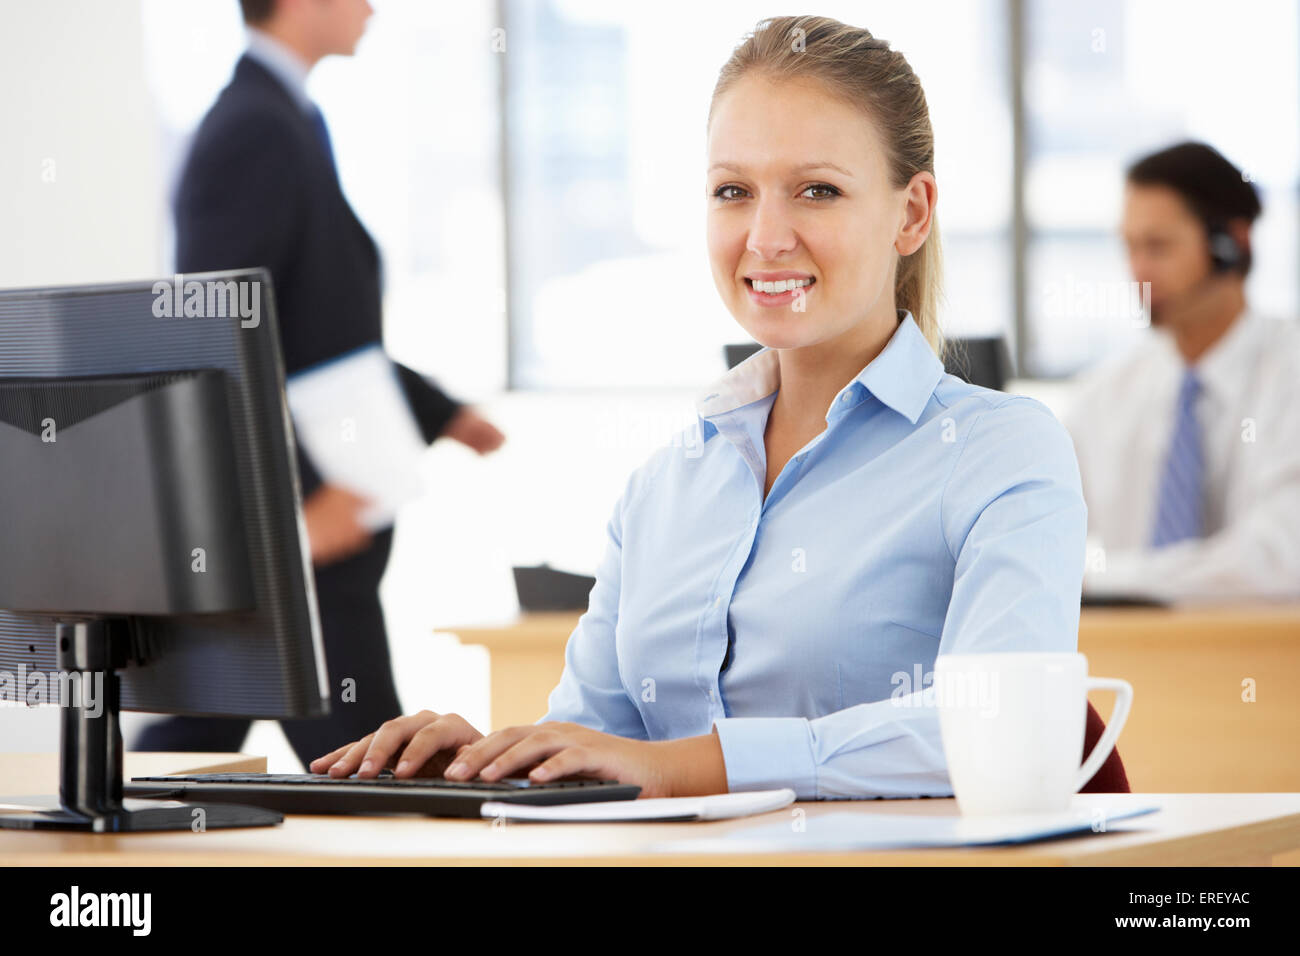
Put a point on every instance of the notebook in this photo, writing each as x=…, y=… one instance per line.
x=892, y=831
x=357, y=428
x=721, y=806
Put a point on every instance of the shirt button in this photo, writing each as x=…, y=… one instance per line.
x=846, y=397
x=717, y=601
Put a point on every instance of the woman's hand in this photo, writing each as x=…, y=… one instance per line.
x=555, y=749
x=419, y=745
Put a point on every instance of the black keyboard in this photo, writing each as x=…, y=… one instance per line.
x=321, y=793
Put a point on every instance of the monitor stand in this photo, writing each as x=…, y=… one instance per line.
x=90, y=758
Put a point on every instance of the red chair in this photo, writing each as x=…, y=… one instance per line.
x=1110, y=776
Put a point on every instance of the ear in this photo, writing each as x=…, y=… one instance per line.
x=919, y=198
x=1239, y=229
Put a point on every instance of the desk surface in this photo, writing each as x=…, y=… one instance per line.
x=1282, y=620
x=1235, y=829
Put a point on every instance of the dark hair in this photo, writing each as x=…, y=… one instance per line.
x=1215, y=190
x=257, y=11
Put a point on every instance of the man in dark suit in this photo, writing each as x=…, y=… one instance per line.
x=259, y=188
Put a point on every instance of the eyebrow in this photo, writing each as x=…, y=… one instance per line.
x=803, y=167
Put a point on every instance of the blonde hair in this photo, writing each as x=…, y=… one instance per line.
x=866, y=73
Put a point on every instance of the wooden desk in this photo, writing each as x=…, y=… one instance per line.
x=1190, y=729
x=1189, y=732
x=1189, y=830
x=525, y=661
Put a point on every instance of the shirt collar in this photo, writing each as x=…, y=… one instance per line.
x=903, y=377
x=283, y=63
x=1223, y=367
x=1226, y=364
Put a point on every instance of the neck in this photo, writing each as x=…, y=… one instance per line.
x=812, y=376
x=287, y=36
x=1195, y=337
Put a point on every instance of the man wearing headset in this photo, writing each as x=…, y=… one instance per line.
x=1189, y=444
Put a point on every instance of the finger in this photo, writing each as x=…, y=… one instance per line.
x=351, y=497
x=445, y=734
x=321, y=764
x=526, y=753
x=572, y=761
x=472, y=760
x=390, y=738
x=351, y=758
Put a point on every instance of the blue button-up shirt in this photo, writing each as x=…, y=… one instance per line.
x=930, y=517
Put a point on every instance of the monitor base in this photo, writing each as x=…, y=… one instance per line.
x=173, y=816
x=92, y=649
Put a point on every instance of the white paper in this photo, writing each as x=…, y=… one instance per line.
x=721, y=806
x=357, y=428
x=891, y=831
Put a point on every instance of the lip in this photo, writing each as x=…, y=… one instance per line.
x=784, y=298
x=778, y=276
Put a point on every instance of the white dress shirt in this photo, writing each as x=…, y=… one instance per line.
x=1121, y=418
x=285, y=65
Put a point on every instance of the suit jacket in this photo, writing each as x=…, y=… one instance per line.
x=259, y=189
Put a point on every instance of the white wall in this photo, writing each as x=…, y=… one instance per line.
x=78, y=196
x=78, y=185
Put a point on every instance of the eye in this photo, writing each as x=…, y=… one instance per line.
x=828, y=191
x=721, y=193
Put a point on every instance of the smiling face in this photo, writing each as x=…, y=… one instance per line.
x=804, y=227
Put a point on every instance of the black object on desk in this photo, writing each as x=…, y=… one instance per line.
x=542, y=588
x=1119, y=600
x=980, y=360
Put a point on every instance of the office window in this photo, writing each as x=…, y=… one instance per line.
x=1112, y=80
x=610, y=283
x=413, y=119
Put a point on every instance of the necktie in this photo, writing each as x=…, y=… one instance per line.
x=1179, y=508
x=323, y=134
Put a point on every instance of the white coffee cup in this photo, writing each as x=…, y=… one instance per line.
x=1013, y=727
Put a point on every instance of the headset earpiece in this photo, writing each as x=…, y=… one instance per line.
x=1226, y=253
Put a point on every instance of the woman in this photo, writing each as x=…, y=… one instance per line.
x=770, y=605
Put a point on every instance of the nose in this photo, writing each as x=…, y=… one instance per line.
x=1140, y=267
x=771, y=235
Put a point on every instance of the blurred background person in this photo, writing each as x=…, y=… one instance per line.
x=1189, y=443
x=260, y=188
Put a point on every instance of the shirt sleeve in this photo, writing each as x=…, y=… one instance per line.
x=590, y=691
x=432, y=407
x=1015, y=523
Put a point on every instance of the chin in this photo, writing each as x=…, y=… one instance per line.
x=776, y=335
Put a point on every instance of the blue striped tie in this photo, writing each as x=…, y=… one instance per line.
x=1179, y=508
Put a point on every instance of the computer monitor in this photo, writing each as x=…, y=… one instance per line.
x=151, y=536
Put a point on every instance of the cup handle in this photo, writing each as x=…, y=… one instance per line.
x=1123, y=702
